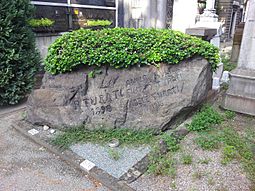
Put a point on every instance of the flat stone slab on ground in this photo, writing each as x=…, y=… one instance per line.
x=99, y=155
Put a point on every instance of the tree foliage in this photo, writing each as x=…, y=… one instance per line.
x=19, y=60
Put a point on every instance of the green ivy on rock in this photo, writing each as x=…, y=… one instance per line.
x=124, y=47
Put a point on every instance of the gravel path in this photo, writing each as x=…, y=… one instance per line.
x=197, y=176
x=24, y=166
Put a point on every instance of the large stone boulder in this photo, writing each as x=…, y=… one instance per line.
x=138, y=98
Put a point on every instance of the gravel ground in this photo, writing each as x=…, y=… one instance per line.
x=24, y=166
x=203, y=177
x=100, y=156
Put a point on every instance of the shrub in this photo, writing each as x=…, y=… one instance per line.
x=124, y=47
x=43, y=22
x=18, y=57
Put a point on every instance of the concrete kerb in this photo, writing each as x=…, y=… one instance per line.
x=10, y=112
x=7, y=110
x=94, y=172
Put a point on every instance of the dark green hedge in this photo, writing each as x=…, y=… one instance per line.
x=18, y=58
x=123, y=47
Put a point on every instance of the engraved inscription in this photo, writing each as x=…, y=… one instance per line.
x=145, y=92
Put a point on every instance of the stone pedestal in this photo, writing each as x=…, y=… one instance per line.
x=202, y=32
x=240, y=96
x=209, y=19
x=212, y=25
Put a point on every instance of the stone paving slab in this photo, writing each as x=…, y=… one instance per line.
x=99, y=155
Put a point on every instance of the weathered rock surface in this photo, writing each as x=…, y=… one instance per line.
x=140, y=97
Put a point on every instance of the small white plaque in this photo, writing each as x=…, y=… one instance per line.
x=87, y=165
x=225, y=77
x=33, y=131
x=216, y=83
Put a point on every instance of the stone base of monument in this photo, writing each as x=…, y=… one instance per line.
x=144, y=97
x=240, y=96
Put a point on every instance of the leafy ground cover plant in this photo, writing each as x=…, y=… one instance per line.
x=114, y=154
x=125, y=136
x=19, y=59
x=230, y=114
x=227, y=65
x=240, y=148
x=125, y=47
x=204, y=119
x=186, y=159
x=234, y=146
x=43, y=22
x=162, y=165
x=171, y=142
x=229, y=153
x=208, y=141
x=98, y=23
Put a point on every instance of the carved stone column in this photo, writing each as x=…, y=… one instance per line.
x=161, y=14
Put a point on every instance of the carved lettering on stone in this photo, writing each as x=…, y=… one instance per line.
x=140, y=97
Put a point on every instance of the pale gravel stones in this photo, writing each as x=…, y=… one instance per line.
x=213, y=175
x=197, y=176
x=25, y=166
